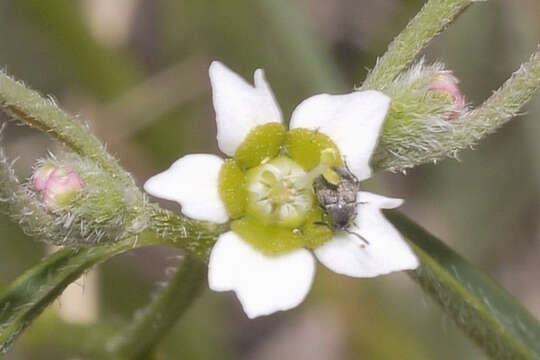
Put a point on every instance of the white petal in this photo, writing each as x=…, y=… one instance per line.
x=379, y=201
x=192, y=181
x=239, y=106
x=353, y=121
x=386, y=252
x=263, y=284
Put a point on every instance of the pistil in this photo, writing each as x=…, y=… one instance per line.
x=278, y=193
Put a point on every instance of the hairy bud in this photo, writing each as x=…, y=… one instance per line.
x=88, y=205
x=424, y=99
x=57, y=185
x=446, y=83
x=41, y=176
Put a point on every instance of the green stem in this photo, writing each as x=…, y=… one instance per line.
x=463, y=132
x=194, y=237
x=27, y=297
x=428, y=23
x=43, y=114
x=148, y=328
x=487, y=313
x=502, y=106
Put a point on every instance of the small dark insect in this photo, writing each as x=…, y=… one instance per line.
x=338, y=200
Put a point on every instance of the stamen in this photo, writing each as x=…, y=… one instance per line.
x=278, y=194
x=329, y=157
x=317, y=171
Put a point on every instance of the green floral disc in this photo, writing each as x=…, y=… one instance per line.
x=232, y=188
x=262, y=143
x=276, y=240
x=306, y=147
x=270, y=239
x=315, y=232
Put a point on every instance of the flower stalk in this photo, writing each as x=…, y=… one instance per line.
x=41, y=113
x=398, y=152
x=502, y=106
x=27, y=297
x=432, y=19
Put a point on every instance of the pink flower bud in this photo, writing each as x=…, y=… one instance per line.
x=57, y=185
x=447, y=83
x=40, y=177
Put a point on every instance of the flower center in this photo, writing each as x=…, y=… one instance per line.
x=278, y=193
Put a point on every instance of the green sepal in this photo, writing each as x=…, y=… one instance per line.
x=262, y=143
x=270, y=239
x=306, y=146
x=232, y=189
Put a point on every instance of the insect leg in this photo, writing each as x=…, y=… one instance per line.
x=322, y=223
x=358, y=236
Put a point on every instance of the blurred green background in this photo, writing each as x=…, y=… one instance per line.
x=136, y=71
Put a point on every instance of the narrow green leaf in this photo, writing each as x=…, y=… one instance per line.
x=29, y=295
x=486, y=312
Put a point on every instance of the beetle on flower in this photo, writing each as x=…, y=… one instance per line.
x=265, y=190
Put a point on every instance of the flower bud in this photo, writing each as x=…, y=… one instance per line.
x=58, y=186
x=446, y=83
x=40, y=177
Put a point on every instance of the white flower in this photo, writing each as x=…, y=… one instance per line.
x=279, y=198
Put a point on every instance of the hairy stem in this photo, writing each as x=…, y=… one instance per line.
x=26, y=298
x=150, y=326
x=428, y=23
x=43, y=114
x=194, y=237
x=500, y=107
x=401, y=152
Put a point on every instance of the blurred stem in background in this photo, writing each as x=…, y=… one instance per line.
x=68, y=340
x=139, y=339
x=293, y=29
x=148, y=101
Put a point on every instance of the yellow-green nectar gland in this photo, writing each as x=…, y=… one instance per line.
x=270, y=196
x=278, y=193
